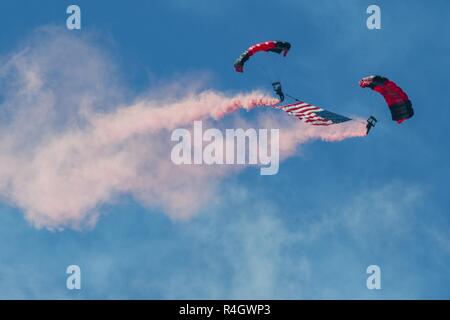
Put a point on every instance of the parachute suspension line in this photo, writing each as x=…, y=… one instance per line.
x=267, y=74
x=397, y=100
x=268, y=78
x=278, y=47
x=292, y=97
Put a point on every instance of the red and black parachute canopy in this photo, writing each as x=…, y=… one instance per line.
x=395, y=97
x=268, y=46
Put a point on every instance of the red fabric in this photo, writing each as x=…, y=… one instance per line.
x=363, y=83
x=263, y=46
x=391, y=93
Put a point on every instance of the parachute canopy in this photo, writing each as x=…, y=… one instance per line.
x=268, y=46
x=395, y=97
x=313, y=115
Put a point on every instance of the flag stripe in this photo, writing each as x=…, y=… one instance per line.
x=312, y=114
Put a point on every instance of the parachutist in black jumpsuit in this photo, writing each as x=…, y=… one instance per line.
x=370, y=124
x=278, y=90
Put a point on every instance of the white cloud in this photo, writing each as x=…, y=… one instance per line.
x=70, y=142
x=253, y=252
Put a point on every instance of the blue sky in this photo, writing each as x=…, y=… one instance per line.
x=308, y=232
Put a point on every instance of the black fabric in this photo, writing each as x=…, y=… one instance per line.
x=378, y=80
x=283, y=45
x=277, y=50
x=402, y=111
x=242, y=59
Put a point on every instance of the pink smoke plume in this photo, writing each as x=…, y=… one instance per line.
x=67, y=148
x=290, y=139
x=152, y=116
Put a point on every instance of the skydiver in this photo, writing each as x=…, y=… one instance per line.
x=278, y=90
x=371, y=122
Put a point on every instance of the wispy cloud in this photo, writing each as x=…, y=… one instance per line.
x=71, y=142
x=252, y=253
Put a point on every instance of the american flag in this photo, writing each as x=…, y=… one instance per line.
x=312, y=114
